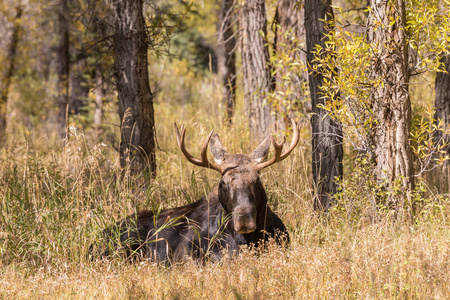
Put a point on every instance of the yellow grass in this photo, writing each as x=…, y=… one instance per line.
x=376, y=262
x=54, y=203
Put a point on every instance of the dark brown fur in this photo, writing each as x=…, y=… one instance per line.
x=233, y=214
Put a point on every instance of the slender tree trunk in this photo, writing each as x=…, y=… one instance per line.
x=79, y=87
x=390, y=95
x=6, y=81
x=289, y=38
x=99, y=95
x=327, y=152
x=226, y=56
x=63, y=64
x=255, y=59
x=137, y=145
x=442, y=104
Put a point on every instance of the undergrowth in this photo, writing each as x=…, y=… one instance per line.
x=56, y=201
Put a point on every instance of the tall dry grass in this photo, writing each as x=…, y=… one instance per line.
x=55, y=201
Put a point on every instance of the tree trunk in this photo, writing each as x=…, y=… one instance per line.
x=99, y=95
x=442, y=104
x=137, y=145
x=226, y=56
x=255, y=59
x=289, y=38
x=6, y=82
x=390, y=96
x=63, y=65
x=79, y=87
x=327, y=152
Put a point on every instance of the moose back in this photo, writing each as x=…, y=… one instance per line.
x=233, y=214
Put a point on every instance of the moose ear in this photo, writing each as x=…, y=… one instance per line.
x=217, y=150
x=260, y=153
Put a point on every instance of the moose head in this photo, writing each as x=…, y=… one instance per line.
x=240, y=190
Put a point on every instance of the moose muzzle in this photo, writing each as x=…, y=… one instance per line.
x=244, y=218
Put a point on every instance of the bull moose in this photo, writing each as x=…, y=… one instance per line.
x=233, y=214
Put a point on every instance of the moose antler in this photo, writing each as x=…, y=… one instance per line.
x=203, y=162
x=278, y=147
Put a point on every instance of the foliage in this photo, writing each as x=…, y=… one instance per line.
x=291, y=92
x=363, y=200
x=430, y=152
x=344, y=63
x=428, y=33
x=31, y=84
x=191, y=47
x=55, y=199
x=195, y=38
x=346, y=60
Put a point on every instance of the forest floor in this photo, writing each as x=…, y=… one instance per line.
x=56, y=201
x=374, y=262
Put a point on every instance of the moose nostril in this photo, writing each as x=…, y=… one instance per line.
x=244, y=217
x=245, y=228
x=244, y=224
x=251, y=226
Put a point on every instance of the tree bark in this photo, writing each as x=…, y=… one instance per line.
x=289, y=37
x=442, y=105
x=6, y=82
x=63, y=64
x=99, y=95
x=137, y=145
x=390, y=95
x=226, y=56
x=255, y=59
x=327, y=152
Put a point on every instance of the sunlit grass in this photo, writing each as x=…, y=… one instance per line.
x=54, y=202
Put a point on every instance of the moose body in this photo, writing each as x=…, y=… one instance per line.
x=233, y=214
x=198, y=230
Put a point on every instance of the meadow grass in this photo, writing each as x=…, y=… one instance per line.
x=55, y=201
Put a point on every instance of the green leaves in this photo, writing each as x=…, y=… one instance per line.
x=428, y=140
x=348, y=58
x=289, y=70
x=428, y=27
x=344, y=64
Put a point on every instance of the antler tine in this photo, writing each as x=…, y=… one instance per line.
x=203, y=153
x=278, y=147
